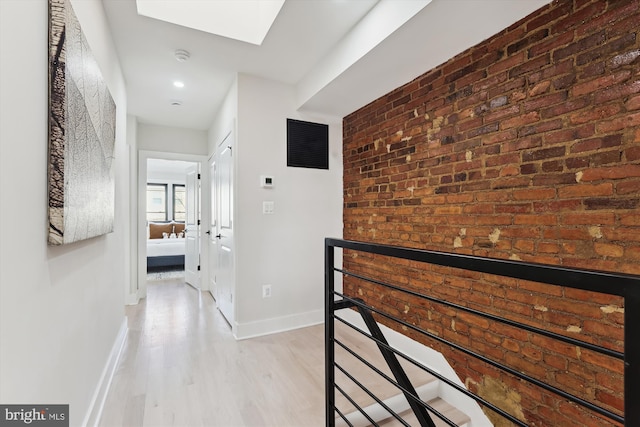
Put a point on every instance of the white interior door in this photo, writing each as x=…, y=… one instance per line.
x=224, y=272
x=192, y=228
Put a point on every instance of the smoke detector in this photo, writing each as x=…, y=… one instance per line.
x=181, y=55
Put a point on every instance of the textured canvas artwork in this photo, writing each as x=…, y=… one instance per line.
x=81, y=134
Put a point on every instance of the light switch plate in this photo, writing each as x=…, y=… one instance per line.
x=268, y=207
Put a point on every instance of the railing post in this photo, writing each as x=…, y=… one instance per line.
x=330, y=391
x=631, y=359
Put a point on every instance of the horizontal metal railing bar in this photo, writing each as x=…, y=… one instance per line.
x=362, y=411
x=591, y=280
x=549, y=334
x=498, y=365
x=439, y=376
x=417, y=399
x=373, y=396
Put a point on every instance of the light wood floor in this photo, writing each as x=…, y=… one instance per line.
x=182, y=367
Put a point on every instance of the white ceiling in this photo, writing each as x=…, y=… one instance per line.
x=315, y=45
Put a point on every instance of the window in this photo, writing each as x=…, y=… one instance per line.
x=156, y=202
x=179, y=202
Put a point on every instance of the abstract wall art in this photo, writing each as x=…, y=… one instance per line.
x=82, y=120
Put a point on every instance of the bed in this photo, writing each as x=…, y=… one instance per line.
x=165, y=245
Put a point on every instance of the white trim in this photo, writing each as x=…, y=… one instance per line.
x=92, y=418
x=278, y=324
x=131, y=299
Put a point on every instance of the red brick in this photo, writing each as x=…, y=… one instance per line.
x=632, y=252
x=602, y=82
x=628, y=187
x=522, y=120
x=550, y=248
x=614, y=172
x=550, y=44
x=609, y=250
x=534, y=194
x=540, y=102
x=572, y=134
x=596, y=143
x=584, y=218
x=597, y=113
x=627, y=121
x=633, y=103
x=522, y=143
x=583, y=190
x=535, y=219
x=565, y=107
x=545, y=153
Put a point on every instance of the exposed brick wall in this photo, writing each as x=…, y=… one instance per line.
x=527, y=147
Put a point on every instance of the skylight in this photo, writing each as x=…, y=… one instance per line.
x=247, y=20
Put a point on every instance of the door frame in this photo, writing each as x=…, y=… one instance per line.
x=192, y=227
x=143, y=156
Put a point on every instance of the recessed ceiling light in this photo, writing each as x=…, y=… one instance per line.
x=178, y=83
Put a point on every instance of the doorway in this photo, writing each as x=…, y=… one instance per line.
x=168, y=211
x=166, y=217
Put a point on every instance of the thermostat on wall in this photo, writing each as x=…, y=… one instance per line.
x=266, y=181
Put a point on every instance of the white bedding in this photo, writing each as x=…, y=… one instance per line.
x=164, y=247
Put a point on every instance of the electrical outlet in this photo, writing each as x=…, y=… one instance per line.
x=266, y=291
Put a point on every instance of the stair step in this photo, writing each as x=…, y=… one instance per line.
x=452, y=413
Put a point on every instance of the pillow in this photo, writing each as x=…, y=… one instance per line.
x=178, y=227
x=156, y=229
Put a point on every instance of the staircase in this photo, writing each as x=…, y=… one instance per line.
x=425, y=384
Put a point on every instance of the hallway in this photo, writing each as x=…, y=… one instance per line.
x=182, y=367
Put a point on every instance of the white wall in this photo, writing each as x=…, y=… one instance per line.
x=225, y=119
x=61, y=308
x=286, y=249
x=171, y=140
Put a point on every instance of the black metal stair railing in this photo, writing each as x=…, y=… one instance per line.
x=626, y=286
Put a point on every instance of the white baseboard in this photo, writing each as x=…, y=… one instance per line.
x=132, y=299
x=92, y=418
x=278, y=324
